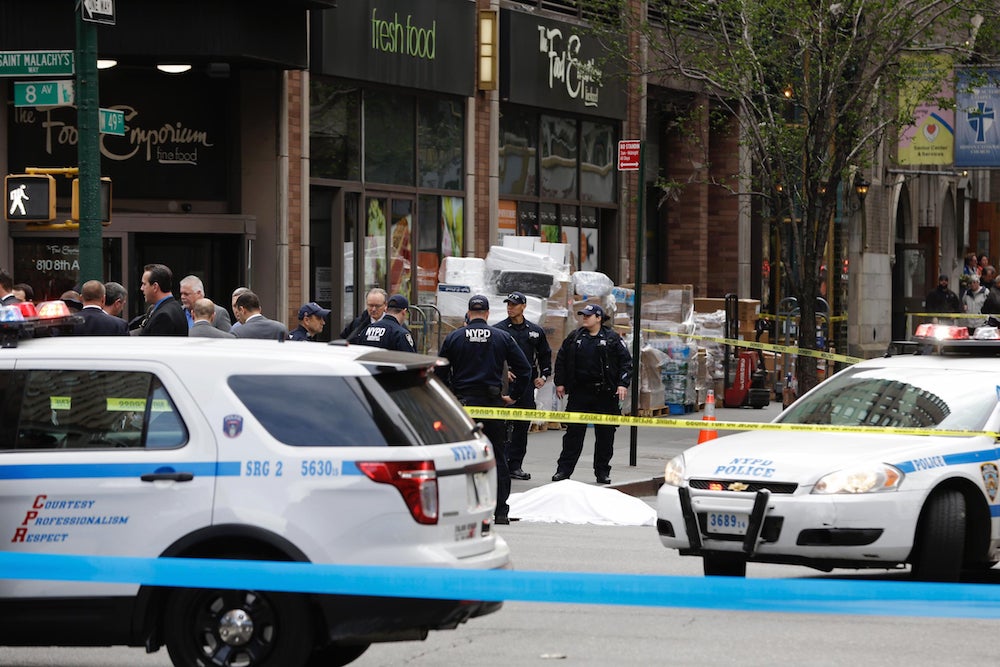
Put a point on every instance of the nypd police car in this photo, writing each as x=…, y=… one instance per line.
x=245, y=449
x=897, y=465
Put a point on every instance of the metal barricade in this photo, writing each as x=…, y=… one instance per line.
x=425, y=326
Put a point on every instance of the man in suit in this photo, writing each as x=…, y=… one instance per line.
x=7, y=297
x=115, y=296
x=95, y=321
x=193, y=289
x=376, y=301
x=204, y=312
x=254, y=324
x=166, y=317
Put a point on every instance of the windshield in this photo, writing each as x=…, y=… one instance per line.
x=900, y=397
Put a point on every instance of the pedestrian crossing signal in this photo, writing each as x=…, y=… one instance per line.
x=105, y=201
x=30, y=198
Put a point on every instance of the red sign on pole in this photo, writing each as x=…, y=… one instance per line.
x=628, y=155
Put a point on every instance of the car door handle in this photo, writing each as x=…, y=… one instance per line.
x=169, y=476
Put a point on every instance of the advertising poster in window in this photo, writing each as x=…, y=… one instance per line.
x=452, y=226
x=506, y=220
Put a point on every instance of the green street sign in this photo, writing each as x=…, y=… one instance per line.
x=112, y=122
x=36, y=63
x=43, y=93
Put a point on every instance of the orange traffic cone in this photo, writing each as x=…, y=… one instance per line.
x=705, y=435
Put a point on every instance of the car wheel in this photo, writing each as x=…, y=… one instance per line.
x=206, y=628
x=940, y=547
x=336, y=655
x=724, y=566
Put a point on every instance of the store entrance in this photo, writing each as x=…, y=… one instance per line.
x=215, y=258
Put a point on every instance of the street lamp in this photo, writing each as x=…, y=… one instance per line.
x=861, y=190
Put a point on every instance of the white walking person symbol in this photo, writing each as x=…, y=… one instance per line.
x=17, y=197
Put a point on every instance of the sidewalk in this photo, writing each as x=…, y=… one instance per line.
x=654, y=447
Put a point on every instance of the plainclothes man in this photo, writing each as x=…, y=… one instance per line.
x=312, y=319
x=375, y=304
x=204, y=311
x=115, y=296
x=531, y=339
x=193, y=289
x=166, y=317
x=389, y=333
x=477, y=353
x=96, y=322
x=593, y=367
x=255, y=325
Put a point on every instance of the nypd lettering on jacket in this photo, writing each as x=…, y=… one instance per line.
x=478, y=335
x=374, y=334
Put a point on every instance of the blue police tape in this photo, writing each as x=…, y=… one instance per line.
x=882, y=598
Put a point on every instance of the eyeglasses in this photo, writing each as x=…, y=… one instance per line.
x=375, y=306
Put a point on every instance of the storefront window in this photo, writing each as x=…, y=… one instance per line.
x=558, y=157
x=400, y=255
x=518, y=152
x=589, y=237
x=375, y=231
x=428, y=248
x=597, y=173
x=389, y=138
x=52, y=265
x=440, y=127
x=527, y=219
x=334, y=130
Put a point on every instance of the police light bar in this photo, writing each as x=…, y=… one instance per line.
x=26, y=319
x=942, y=332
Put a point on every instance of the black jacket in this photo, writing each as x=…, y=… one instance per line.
x=616, y=362
x=167, y=319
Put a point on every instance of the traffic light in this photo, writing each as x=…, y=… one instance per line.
x=30, y=198
x=105, y=201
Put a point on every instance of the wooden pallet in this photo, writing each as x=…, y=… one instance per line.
x=661, y=411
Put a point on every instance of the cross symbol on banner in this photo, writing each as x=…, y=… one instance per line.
x=981, y=120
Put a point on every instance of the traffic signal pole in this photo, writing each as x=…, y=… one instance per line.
x=88, y=149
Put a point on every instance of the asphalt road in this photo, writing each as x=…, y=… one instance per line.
x=583, y=634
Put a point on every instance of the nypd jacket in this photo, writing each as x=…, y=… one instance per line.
x=477, y=353
x=613, y=359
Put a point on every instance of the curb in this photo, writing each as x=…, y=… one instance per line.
x=642, y=488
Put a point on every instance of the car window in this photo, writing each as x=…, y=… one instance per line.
x=390, y=409
x=77, y=409
x=310, y=410
x=900, y=397
x=426, y=406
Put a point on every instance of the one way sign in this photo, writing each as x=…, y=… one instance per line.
x=98, y=11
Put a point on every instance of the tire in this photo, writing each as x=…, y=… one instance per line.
x=724, y=566
x=940, y=548
x=278, y=631
x=337, y=655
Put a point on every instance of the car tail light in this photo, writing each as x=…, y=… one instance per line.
x=415, y=480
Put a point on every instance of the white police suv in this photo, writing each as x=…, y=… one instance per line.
x=235, y=449
x=910, y=476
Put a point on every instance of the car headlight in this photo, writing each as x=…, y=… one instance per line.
x=674, y=473
x=865, y=479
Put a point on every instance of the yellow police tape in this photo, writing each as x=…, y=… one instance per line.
x=952, y=316
x=518, y=414
x=783, y=349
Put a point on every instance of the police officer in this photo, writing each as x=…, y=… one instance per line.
x=477, y=353
x=531, y=339
x=388, y=332
x=594, y=367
